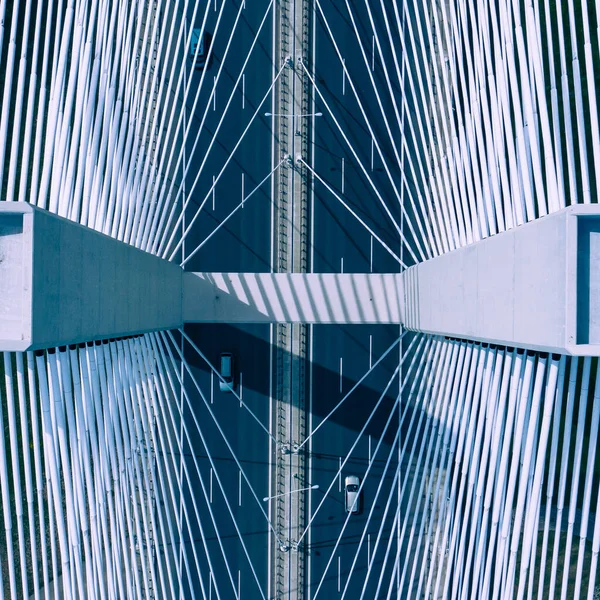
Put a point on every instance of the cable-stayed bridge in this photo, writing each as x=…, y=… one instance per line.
x=304, y=153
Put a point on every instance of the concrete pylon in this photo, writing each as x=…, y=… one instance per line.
x=62, y=283
x=536, y=286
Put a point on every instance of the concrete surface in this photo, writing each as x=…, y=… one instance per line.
x=70, y=284
x=535, y=286
x=292, y=297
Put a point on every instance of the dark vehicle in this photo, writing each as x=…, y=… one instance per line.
x=204, y=41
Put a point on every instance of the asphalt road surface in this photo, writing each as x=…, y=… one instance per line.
x=243, y=244
x=340, y=547
x=340, y=355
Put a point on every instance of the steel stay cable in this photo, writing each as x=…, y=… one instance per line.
x=443, y=406
x=116, y=436
x=393, y=488
x=168, y=367
x=424, y=382
x=201, y=127
x=259, y=504
x=347, y=457
x=596, y=535
x=430, y=404
x=69, y=105
x=479, y=143
x=441, y=235
x=394, y=575
x=16, y=475
x=140, y=471
x=222, y=223
x=462, y=454
x=28, y=137
x=451, y=440
x=440, y=178
x=334, y=193
x=424, y=254
x=146, y=366
x=144, y=375
x=370, y=370
x=397, y=515
x=562, y=480
x=385, y=559
x=362, y=483
x=159, y=354
x=431, y=233
x=588, y=482
x=74, y=555
x=372, y=509
x=115, y=462
x=163, y=252
x=576, y=466
x=407, y=187
x=17, y=116
x=139, y=137
x=78, y=210
x=115, y=179
x=236, y=395
x=85, y=434
x=52, y=474
x=529, y=428
x=479, y=391
x=551, y=478
x=452, y=140
x=2, y=17
x=479, y=462
x=555, y=371
x=140, y=223
x=182, y=152
x=139, y=181
x=103, y=130
x=360, y=164
x=495, y=434
x=118, y=132
x=35, y=434
x=161, y=249
x=451, y=208
x=373, y=138
x=104, y=459
x=231, y=514
x=79, y=504
x=525, y=395
x=128, y=425
x=8, y=82
x=421, y=376
x=519, y=374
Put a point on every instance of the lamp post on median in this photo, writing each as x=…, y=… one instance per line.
x=317, y=114
x=284, y=547
x=294, y=117
x=312, y=487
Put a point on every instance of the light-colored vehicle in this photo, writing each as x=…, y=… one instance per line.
x=352, y=497
x=227, y=384
x=204, y=40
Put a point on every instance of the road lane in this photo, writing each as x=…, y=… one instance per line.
x=341, y=243
x=243, y=244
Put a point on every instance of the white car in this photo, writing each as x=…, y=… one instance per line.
x=352, y=497
x=227, y=383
